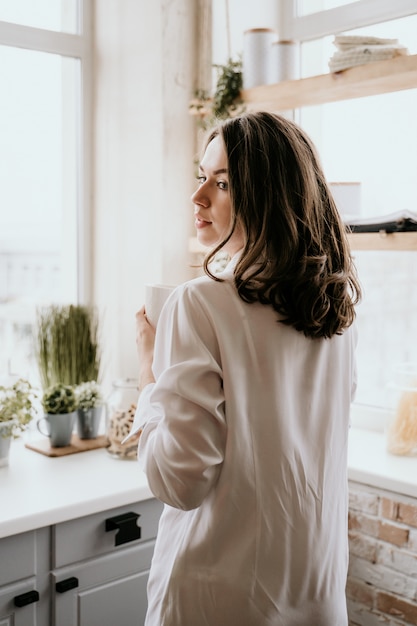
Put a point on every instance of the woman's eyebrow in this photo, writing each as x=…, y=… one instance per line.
x=223, y=170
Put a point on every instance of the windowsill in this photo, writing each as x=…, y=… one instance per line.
x=366, y=417
x=369, y=463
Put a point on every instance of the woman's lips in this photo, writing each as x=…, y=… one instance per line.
x=199, y=223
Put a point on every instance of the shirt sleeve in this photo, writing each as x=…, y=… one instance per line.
x=182, y=415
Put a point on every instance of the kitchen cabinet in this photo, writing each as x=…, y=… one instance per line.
x=90, y=571
x=24, y=579
x=101, y=564
x=24, y=615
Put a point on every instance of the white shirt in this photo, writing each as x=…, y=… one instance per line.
x=245, y=441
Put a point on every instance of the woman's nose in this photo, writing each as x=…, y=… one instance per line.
x=200, y=198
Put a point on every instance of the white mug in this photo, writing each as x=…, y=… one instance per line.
x=155, y=297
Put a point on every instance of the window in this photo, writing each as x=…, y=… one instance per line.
x=43, y=164
x=62, y=15
x=372, y=141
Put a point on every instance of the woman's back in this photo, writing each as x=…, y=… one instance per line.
x=267, y=544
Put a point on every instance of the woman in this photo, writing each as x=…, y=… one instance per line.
x=244, y=432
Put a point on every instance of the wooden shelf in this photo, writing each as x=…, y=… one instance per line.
x=370, y=79
x=383, y=241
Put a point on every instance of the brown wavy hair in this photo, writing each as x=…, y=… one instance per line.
x=296, y=255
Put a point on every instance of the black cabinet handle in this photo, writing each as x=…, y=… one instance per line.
x=126, y=525
x=26, y=598
x=66, y=585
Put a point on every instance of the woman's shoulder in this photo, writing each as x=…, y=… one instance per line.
x=202, y=287
x=206, y=284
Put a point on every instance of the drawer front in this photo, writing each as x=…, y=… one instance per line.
x=106, y=532
x=17, y=557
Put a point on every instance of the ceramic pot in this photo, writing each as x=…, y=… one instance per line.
x=59, y=428
x=88, y=422
x=6, y=429
x=284, y=62
x=257, y=44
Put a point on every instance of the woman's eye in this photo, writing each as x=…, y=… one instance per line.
x=222, y=185
x=201, y=179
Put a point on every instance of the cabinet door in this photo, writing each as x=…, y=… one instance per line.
x=12, y=615
x=24, y=579
x=107, y=591
x=122, y=602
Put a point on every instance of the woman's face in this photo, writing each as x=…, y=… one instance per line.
x=212, y=204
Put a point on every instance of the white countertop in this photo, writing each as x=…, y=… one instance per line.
x=37, y=491
x=369, y=463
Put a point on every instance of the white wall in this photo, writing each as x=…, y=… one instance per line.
x=144, y=148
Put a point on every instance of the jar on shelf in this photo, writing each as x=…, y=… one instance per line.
x=402, y=424
x=121, y=407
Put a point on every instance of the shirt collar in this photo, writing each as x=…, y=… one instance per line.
x=230, y=267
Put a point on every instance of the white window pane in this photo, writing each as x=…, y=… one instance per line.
x=387, y=321
x=58, y=15
x=372, y=141
x=38, y=193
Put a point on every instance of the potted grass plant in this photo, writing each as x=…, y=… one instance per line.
x=67, y=351
x=17, y=408
x=67, y=348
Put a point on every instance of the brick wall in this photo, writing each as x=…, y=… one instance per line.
x=382, y=580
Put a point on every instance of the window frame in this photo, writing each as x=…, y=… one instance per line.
x=344, y=18
x=78, y=46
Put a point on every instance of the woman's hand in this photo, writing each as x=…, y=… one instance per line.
x=145, y=340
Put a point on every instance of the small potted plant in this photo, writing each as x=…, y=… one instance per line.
x=59, y=402
x=226, y=101
x=17, y=408
x=90, y=404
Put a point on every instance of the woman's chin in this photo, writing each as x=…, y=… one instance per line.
x=206, y=242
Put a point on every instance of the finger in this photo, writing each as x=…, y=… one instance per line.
x=141, y=319
x=141, y=313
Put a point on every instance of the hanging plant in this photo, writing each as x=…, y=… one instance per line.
x=226, y=101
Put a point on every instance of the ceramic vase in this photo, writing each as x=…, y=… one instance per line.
x=88, y=422
x=256, y=53
x=59, y=428
x=6, y=429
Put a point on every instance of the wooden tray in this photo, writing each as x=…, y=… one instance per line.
x=77, y=445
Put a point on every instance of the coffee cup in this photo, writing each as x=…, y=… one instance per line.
x=155, y=298
x=58, y=428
